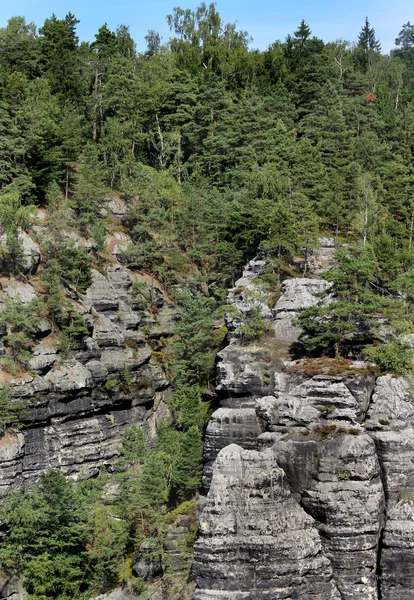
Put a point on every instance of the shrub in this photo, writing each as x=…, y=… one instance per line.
x=253, y=328
x=395, y=357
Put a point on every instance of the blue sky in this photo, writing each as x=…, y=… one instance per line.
x=265, y=21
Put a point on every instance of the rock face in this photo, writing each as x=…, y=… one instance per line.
x=77, y=410
x=255, y=539
x=297, y=294
x=309, y=473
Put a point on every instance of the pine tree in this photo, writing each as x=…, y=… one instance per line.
x=188, y=464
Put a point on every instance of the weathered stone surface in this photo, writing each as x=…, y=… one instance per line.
x=101, y=294
x=78, y=408
x=146, y=565
x=392, y=410
x=11, y=454
x=118, y=207
x=244, y=371
x=118, y=594
x=120, y=280
x=118, y=243
x=392, y=403
x=346, y=454
x=347, y=501
x=229, y=426
x=12, y=588
x=255, y=540
x=44, y=357
x=69, y=376
x=106, y=333
x=247, y=295
x=296, y=295
x=304, y=402
x=323, y=258
x=397, y=556
x=19, y=291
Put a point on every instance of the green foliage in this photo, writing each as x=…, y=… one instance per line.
x=22, y=321
x=194, y=348
x=13, y=217
x=11, y=411
x=75, y=264
x=54, y=300
x=47, y=537
x=186, y=477
x=73, y=329
x=253, y=326
x=218, y=151
x=188, y=406
x=328, y=329
x=107, y=540
x=394, y=357
x=134, y=445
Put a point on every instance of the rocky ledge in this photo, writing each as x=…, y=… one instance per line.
x=308, y=467
x=77, y=409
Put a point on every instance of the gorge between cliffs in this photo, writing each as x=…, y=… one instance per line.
x=308, y=472
x=206, y=308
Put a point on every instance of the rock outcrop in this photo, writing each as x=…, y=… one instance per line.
x=255, y=539
x=322, y=473
x=77, y=409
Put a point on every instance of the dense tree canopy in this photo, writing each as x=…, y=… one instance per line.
x=218, y=150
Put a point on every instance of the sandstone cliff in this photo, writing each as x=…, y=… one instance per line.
x=308, y=467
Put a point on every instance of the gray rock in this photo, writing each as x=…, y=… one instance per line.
x=147, y=563
x=324, y=397
x=18, y=291
x=347, y=501
x=118, y=594
x=12, y=588
x=11, y=453
x=296, y=296
x=322, y=258
x=255, y=540
x=397, y=556
x=117, y=207
x=106, y=333
x=68, y=377
x=245, y=371
x=120, y=280
x=118, y=243
x=392, y=405
x=101, y=294
x=229, y=426
x=44, y=357
x=98, y=371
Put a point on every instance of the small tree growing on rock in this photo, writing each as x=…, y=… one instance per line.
x=14, y=216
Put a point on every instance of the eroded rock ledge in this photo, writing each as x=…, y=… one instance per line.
x=310, y=477
x=77, y=409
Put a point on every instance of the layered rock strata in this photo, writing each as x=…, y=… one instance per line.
x=339, y=444
x=255, y=539
x=77, y=410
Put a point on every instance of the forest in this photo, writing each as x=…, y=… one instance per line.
x=220, y=151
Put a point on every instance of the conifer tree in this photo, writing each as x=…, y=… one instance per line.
x=368, y=47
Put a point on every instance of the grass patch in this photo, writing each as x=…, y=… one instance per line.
x=330, y=366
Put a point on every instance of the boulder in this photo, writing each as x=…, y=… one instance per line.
x=19, y=291
x=69, y=377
